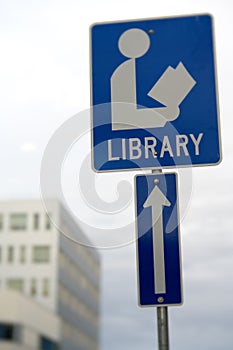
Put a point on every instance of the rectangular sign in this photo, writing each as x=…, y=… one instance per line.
x=153, y=94
x=158, y=240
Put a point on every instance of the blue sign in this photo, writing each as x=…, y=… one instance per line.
x=154, y=94
x=158, y=241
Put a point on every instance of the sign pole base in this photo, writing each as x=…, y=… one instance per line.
x=162, y=326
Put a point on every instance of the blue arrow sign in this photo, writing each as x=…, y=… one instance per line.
x=154, y=94
x=158, y=241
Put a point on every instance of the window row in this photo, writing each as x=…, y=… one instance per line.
x=83, y=252
x=13, y=332
x=77, y=336
x=39, y=254
x=78, y=276
x=77, y=305
x=19, y=221
x=36, y=287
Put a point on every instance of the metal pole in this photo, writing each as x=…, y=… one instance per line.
x=162, y=326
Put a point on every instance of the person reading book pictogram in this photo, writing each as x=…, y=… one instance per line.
x=170, y=90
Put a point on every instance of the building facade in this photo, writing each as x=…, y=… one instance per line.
x=49, y=268
x=19, y=326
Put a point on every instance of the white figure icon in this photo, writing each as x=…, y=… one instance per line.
x=170, y=90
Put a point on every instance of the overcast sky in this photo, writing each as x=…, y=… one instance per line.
x=44, y=80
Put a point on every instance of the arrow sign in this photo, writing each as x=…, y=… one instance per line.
x=158, y=251
x=157, y=200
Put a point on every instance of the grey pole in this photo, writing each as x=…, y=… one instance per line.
x=162, y=326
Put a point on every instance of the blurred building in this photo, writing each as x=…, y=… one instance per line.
x=25, y=325
x=50, y=270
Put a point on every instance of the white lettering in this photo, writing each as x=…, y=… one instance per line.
x=150, y=146
x=196, y=142
x=110, y=157
x=166, y=147
x=135, y=146
x=181, y=142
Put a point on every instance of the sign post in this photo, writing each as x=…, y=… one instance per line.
x=154, y=106
x=158, y=246
x=162, y=326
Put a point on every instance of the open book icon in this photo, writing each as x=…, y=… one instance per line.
x=173, y=86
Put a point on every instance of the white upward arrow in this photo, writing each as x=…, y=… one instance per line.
x=157, y=200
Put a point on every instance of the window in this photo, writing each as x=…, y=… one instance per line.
x=10, y=254
x=1, y=222
x=16, y=284
x=22, y=254
x=36, y=221
x=33, y=287
x=40, y=254
x=48, y=221
x=10, y=332
x=45, y=287
x=6, y=331
x=18, y=221
x=48, y=344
